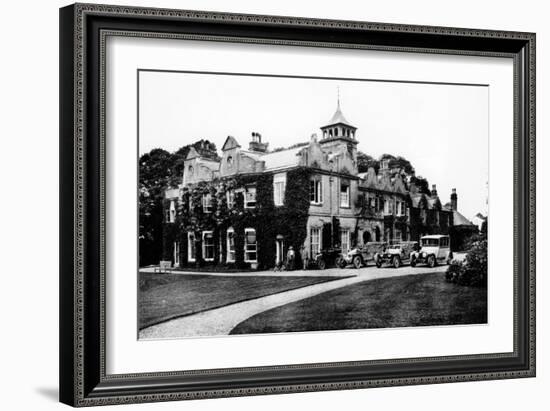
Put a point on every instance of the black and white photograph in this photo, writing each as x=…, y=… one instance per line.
x=282, y=204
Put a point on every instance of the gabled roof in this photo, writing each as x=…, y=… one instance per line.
x=192, y=153
x=434, y=202
x=418, y=199
x=459, y=219
x=230, y=143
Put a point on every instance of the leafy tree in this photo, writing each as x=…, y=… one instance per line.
x=422, y=184
x=158, y=170
x=364, y=162
x=153, y=176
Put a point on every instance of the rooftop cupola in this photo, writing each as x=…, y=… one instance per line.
x=338, y=126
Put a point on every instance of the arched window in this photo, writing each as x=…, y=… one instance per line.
x=335, y=131
x=229, y=162
x=190, y=170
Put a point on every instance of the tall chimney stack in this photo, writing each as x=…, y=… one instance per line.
x=256, y=143
x=454, y=200
x=434, y=190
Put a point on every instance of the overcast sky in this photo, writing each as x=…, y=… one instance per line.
x=441, y=129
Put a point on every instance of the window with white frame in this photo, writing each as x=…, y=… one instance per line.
x=230, y=197
x=279, y=184
x=207, y=203
x=172, y=212
x=250, y=197
x=315, y=241
x=344, y=195
x=230, y=238
x=208, y=246
x=345, y=240
x=191, y=251
x=316, y=191
x=250, y=246
x=401, y=208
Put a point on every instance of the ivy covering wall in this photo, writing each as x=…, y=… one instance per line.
x=269, y=221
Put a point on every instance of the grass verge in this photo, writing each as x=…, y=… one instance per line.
x=414, y=300
x=162, y=297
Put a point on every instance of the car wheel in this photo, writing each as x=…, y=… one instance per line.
x=321, y=264
x=378, y=262
x=431, y=261
x=357, y=261
x=413, y=262
x=396, y=262
x=340, y=262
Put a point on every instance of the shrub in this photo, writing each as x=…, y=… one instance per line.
x=473, y=270
x=451, y=276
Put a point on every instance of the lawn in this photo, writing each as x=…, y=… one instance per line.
x=165, y=296
x=414, y=300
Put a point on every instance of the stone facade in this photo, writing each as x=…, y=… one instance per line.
x=246, y=217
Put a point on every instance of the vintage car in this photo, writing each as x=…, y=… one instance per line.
x=434, y=249
x=361, y=255
x=330, y=257
x=396, y=254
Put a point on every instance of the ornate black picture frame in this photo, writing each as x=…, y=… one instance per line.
x=83, y=380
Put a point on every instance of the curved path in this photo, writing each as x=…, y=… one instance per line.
x=220, y=321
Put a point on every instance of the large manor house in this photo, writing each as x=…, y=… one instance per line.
x=247, y=207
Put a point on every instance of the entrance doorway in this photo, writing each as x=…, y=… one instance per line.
x=279, y=250
x=377, y=233
x=366, y=237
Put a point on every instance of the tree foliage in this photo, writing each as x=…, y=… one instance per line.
x=473, y=270
x=158, y=170
x=365, y=161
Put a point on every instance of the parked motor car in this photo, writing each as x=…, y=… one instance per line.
x=435, y=249
x=361, y=255
x=396, y=254
x=329, y=257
